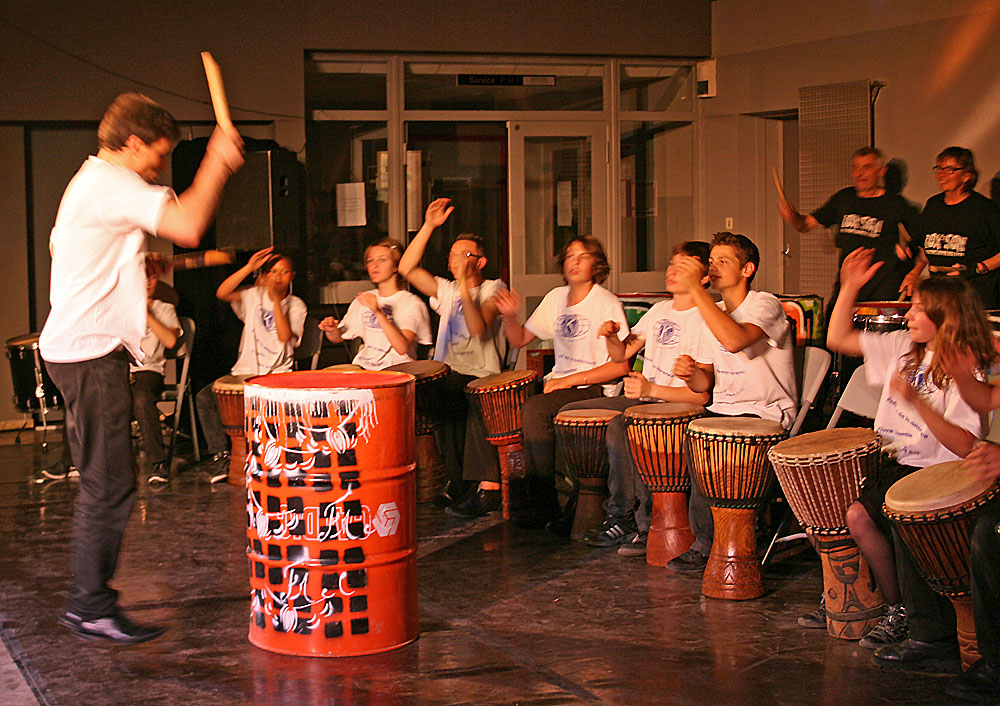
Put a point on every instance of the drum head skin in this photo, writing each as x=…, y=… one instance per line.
x=27, y=340
x=664, y=410
x=584, y=416
x=825, y=442
x=736, y=426
x=342, y=367
x=421, y=369
x=503, y=379
x=230, y=382
x=938, y=487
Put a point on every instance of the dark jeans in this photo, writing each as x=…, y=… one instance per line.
x=211, y=421
x=98, y=420
x=628, y=496
x=461, y=436
x=986, y=581
x=146, y=388
x=537, y=419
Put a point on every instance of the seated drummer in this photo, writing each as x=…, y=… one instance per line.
x=571, y=317
x=468, y=342
x=670, y=328
x=389, y=320
x=926, y=421
x=272, y=326
x=751, y=373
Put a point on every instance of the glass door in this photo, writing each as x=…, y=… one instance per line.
x=558, y=190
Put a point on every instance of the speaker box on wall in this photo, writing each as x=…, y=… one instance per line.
x=261, y=204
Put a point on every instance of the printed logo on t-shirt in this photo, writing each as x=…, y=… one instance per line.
x=667, y=333
x=947, y=244
x=372, y=322
x=920, y=380
x=572, y=326
x=855, y=224
x=267, y=319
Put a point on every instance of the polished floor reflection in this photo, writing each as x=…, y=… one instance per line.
x=506, y=616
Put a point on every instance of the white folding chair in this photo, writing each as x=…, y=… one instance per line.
x=176, y=394
x=310, y=345
x=815, y=364
x=858, y=398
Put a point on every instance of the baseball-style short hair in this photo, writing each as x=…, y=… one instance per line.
x=745, y=249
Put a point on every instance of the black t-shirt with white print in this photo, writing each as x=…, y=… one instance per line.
x=965, y=233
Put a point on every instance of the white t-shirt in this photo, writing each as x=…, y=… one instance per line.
x=670, y=333
x=465, y=354
x=896, y=419
x=405, y=310
x=98, y=289
x=573, y=329
x=261, y=351
x=152, y=346
x=760, y=379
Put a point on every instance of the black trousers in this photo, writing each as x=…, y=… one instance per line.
x=538, y=420
x=986, y=581
x=461, y=436
x=146, y=388
x=98, y=420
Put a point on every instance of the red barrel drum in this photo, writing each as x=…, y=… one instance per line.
x=331, y=512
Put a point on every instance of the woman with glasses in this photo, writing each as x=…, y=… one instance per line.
x=960, y=229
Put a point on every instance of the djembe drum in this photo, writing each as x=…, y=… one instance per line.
x=343, y=368
x=582, y=436
x=728, y=457
x=229, y=395
x=499, y=398
x=656, y=442
x=820, y=474
x=430, y=375
x=932, y=510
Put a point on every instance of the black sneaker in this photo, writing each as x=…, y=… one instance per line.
x=815, y=619
x=981, y=682
x=637, y=547
x=690, y=562
x=219, y=468
x=116, y=628
x=157, y=474
x=611, y=533
x=940, y=656
x=892, y=628
x=480, y=503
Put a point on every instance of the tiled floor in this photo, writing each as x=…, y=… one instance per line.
x=506, y=616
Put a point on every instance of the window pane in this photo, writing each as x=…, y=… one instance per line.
x=435, y=86
x=344, y=85
x=347, y=209
x=657, y=192
x=656, y=88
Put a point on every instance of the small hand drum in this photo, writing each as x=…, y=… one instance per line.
x=931, y=509
x=820, y=474
x=229, y=395
x=430, y=375
x=582, y=435
x=499, y=398
x=728, y=457
x=656, y=441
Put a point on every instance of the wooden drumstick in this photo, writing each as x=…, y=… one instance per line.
x=777, y=183
x=218, y=91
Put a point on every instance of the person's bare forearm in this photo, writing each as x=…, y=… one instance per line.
x=954, y=438
x=470, y=309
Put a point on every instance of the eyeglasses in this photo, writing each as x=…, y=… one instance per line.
x=463, y=254
x=938, y=169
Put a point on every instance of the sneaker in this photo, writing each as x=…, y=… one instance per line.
x=219, y=468
x=815, y=619
x=690, y=562
x=480, y=503
x=892, y=628
x=940, y=656
x=612, y=533
x=56, y=473
x=981, y=682
x=73, y=473
x=116, y=628
x=637, y=547
x=157, y=474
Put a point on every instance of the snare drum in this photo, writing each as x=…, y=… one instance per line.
x=728, y=457
x=655, y=435
x=582, y=436
x=430, y=375
x=932, y=509
x=881, y=316
x=820, y=474
x=229, y=396
x=499, y=398
x=33, y=388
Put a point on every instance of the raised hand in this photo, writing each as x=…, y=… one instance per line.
x=369, y=300
x=507, y=303
x=958, y=362
x=437, y=212
x=259, y=258
x=688, y=273
x=983, y=461
x=857, y=268
x=329, y=324
x=608, y=329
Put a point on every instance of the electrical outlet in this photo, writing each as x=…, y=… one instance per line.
x=729, y=223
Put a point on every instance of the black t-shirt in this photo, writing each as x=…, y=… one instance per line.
x=965, y=233
x=872, y=223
